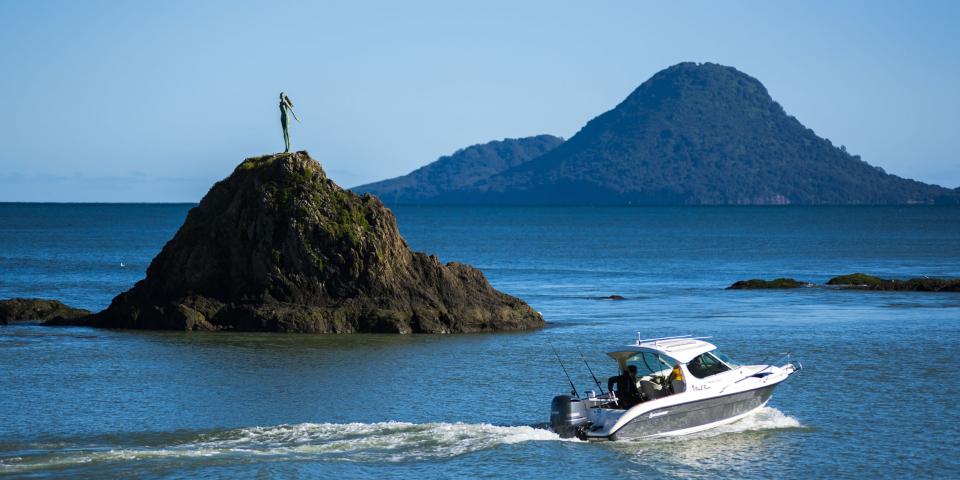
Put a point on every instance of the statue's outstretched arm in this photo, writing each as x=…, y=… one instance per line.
x=294, y=114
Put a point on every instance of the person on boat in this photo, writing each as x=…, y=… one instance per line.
x=677, y=384
x=626, y=387
x=286, y=104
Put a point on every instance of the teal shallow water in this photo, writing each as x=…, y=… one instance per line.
x=877, y=396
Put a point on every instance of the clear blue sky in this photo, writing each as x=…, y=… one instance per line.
x=154, y=101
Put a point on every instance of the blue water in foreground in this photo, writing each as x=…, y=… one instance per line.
x=878, y=396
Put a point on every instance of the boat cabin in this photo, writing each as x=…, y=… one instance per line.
x=658, y=367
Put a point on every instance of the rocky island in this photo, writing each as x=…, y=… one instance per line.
x=277, y=246
x=760, y=284
x=857, y=281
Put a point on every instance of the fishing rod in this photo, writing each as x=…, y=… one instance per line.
x=591, y=371
x=574, y=387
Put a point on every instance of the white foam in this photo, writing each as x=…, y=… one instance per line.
x=350, y=442
x=767, y=418
x=360, y=442
x=720, y=449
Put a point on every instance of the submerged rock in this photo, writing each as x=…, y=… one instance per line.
x=37, y=310
x=278, y=246
x=757, y=283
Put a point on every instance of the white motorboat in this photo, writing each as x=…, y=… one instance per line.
x=667, y=386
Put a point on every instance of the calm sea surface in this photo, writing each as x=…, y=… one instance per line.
x=878, y=398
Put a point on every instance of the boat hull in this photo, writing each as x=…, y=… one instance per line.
x=694, y=416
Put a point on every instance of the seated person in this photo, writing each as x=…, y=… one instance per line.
x=677, y=385
x=626, y=387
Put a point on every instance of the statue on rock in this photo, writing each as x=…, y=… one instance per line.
x=286, y=104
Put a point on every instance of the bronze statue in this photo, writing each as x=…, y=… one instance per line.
x=286, y=104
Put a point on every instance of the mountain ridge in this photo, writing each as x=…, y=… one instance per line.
x=695, y=134
x=461, y=168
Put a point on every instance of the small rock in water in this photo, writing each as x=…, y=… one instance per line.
x=778, y=283
x=37, y=310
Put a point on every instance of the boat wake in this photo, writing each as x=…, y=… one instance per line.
x=718, y=451
x=767, y=418
x=350, y=442
x=383, y=442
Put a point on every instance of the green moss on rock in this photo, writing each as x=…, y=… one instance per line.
x=855, y=280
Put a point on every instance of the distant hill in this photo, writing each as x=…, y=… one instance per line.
x=465, y=167
x=693, y=134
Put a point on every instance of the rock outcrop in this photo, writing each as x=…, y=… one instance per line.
x=758, y=284
x=17, y=310
x=857, y=281
x=863, y=281
x=278, y=246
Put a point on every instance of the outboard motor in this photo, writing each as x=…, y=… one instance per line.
x=568, y=416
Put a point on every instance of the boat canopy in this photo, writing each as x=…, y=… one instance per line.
x=681, y=349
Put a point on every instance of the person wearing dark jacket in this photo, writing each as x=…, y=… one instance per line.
x=626, y=387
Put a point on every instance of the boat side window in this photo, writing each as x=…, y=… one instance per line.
x=706, y=365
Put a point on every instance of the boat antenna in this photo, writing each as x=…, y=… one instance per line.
x=574, y=387
x=591, y=371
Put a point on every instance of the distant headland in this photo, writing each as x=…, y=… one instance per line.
x=693, y=134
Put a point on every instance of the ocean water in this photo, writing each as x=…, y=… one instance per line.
x=877, y=398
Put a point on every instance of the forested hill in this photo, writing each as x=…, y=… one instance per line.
x=692, y=134
x=461, y=169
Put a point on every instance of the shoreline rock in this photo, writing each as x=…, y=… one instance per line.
x=17, y=310
x=279, y=247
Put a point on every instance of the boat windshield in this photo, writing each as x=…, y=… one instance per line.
x=710, y=363
x=651, y=364
x=725, y=358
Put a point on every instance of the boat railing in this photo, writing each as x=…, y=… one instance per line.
x=656, y=341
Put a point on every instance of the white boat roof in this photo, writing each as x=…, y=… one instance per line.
x=682, y=349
